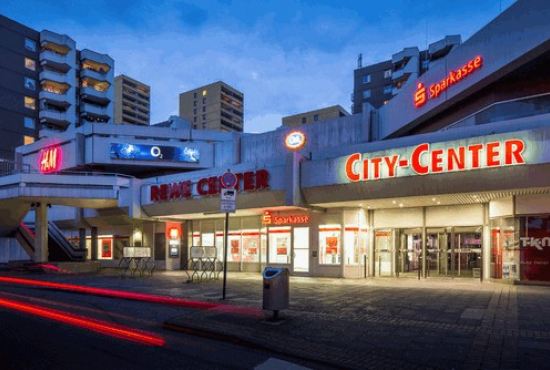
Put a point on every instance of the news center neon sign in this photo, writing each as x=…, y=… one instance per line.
x=421, y=95
x=424, y=160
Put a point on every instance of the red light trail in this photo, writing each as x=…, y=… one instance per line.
x=98, y=326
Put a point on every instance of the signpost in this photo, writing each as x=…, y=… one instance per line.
x=228, y=198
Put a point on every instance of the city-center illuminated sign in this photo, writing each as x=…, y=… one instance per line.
x=422, y=94
x=49, y=159
x=424, y=160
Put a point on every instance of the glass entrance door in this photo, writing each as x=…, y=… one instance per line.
x=467, y=252
x=410, y=250
x=437, y=249
x=383, y=253
x=301, y=249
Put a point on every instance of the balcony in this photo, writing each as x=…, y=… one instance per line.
x=94, y=111
x=94, y=96
x=56, y=61
x=52, y=117
x=96, y=61
x=56, y=41
x=92, y=74
x=59, y=100
x=60, y=78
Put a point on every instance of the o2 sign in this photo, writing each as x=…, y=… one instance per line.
x=295, y=140
x=49, y=159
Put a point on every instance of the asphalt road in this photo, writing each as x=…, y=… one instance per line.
x=29, y=341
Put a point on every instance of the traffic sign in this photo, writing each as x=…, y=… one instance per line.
x=228, y=180
x=228, y=200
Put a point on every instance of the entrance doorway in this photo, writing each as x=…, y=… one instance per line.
x=410, y=251
x=301, y=250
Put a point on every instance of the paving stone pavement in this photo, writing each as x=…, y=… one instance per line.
x=375, y=323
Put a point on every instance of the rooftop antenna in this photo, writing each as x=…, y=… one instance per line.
x=360, y=61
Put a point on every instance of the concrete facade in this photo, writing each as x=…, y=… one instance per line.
x=132, y=101
x=317, y=115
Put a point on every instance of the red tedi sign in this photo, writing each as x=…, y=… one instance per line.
x=208, y=186
x=423, y=160
x=49, y=159
x=421, y=94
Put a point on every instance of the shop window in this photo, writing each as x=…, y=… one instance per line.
x=196, y=239
x=251, y=246
x=30, y=64
x=30, y=103
x=329, y=244
x=534, y=246
x=355, y=244
x=234, y=246
x=30, y=123
x=263, y=243
x=208, y=239
x=279, y=244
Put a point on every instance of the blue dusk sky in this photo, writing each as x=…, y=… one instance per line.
x=286, y=56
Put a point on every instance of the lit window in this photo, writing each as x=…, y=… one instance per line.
x=304, y=119
x=315, y=118
x=366, y=94
x=203, y=92
x=30, y=83
x=28, y=140
x=386, y=102
x=387, y=89
x=30, y=64
x=30, y=123
x=30, y=45
x=30, y=103
x=366, y=79
x=387, y=73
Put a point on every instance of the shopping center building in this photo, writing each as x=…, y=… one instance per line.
x=451, y=178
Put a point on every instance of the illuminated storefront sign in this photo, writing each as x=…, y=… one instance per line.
x=421, y=95
x=155, y=152
x=269, y=218
x=253, y=180
x=295, y=140
x=425, y=160
x=49, y=160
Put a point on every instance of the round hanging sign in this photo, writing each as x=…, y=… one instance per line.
x=295, y=140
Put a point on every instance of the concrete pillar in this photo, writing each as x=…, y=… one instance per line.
x=94, y=243
x=486, y=245
x=41, y=231
x=424, y=253
x=370, y=243
x=82, y=237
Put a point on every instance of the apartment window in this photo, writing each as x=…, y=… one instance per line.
x=30, y=123
x=203, y=100
x=195, y=127
x=366, y=79
x=366, y=94
x=195, y=95
x=195, y=119
x=30, y=45
x=204, y=125
x=387, y=89
x=387, y=73
x=30, y=83
x=30, y=64
x=28, y=140
x=203, y=109
x=195, y=102
x=204, y=117
x=315, y=118
x=195, y=111
x=203, y=94
x=304, y=119
x=30, y=103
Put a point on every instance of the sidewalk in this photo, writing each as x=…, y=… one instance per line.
x=376, y=323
